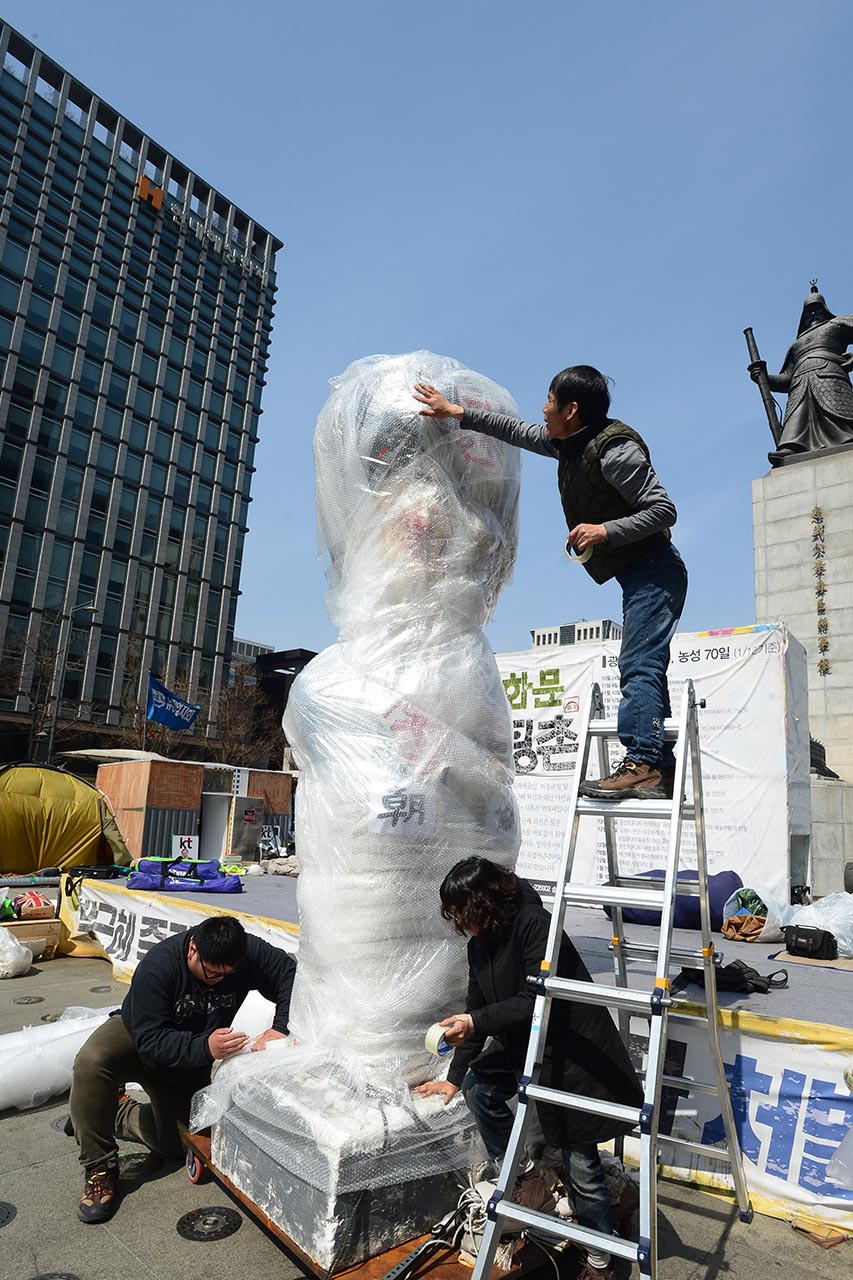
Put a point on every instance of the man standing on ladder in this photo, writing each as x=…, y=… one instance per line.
x=619, y=517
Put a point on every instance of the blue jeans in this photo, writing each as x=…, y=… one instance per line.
x=486, y=1094
x=653, y=594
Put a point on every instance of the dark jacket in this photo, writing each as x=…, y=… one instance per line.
x=584, y=1051
x=170, y=1014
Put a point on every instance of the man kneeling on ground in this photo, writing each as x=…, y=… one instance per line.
x=174, y=1023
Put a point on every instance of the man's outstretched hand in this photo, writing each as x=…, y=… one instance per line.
x=587, y=535
x=265, y=1038
x=437, y=405
x=225, y=1043
x=442, y=1087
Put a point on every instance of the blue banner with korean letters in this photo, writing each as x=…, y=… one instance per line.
x=792, y=1107
x=167, y=708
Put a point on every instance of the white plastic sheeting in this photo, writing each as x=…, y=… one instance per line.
x=15, y=958
x=402, y=734
x=35, y=1064
x=401, y=730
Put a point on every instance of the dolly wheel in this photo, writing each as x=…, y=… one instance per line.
x=196, y=1171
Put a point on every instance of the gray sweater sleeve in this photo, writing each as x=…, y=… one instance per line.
x=626, y=468
x=524, y=435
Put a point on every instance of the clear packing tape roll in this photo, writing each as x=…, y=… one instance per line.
x=574, y=557
x=435, y=1043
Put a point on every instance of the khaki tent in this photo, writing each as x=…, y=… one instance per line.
x=49, y=818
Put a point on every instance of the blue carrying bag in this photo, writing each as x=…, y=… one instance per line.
x=180, y=868
x=182, y=875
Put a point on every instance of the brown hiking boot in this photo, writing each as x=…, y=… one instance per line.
x=534, y=1190
x=100, y=1194
x=631, y=780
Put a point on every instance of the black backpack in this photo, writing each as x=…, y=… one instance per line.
x=77, y=874
x=736, y=976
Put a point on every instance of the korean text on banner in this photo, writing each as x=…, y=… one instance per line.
x=167, y=708
x=792, y=1109
x=754, y=743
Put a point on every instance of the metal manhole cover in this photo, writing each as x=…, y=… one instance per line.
x=28, y=1000
x=50, y=1017
x=59, y=1123
x=209, y=1224
x=108, y=988
x=7, y=1212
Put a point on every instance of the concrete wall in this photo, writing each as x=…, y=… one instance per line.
x=785, y=581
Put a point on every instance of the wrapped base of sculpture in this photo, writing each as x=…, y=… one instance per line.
x=346, y=1173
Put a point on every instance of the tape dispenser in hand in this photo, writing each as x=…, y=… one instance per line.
x=577, y=558
x=435, y=1043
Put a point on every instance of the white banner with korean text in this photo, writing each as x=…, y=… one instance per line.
x=754, y=741
x=126, y=923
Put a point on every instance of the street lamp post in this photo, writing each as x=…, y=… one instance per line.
x=64, y=646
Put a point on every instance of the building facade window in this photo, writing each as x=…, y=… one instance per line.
x=136, y=342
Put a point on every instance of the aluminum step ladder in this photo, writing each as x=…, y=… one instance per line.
x=655, y=1004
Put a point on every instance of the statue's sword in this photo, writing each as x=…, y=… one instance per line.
x=756, y=364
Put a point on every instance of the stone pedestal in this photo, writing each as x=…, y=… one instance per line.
x=832, y=835
x=802, y=516
x=346, y=1172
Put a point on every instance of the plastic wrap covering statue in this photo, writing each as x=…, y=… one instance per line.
x=401, y=731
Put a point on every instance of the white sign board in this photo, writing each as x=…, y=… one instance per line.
x=754, y=741
x=184, y=846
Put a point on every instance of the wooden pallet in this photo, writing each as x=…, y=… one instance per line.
x=444, y=1266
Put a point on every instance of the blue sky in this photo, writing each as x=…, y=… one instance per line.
x=522, y=187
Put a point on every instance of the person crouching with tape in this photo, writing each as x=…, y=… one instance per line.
x=584, y=1053
x=173, y=1025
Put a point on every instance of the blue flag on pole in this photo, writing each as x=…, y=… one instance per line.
x=167, y=708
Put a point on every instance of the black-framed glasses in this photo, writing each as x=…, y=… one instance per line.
x=209, y=976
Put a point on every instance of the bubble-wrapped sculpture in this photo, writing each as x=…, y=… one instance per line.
x=402, y=735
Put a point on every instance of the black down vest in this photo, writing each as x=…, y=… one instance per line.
x=588, y=499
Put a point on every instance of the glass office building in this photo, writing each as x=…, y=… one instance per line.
x=136, y=309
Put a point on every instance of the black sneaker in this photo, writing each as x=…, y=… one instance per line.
x=99, y=1200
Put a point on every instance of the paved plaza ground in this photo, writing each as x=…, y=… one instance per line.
x=40, y=1177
